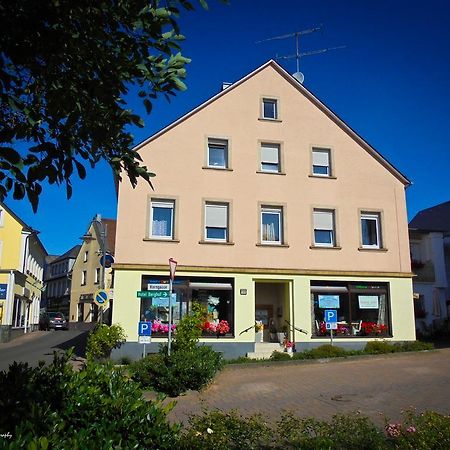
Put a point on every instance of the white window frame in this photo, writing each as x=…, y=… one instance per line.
x=272, y=210
x=327, y=151
x=162, y=203
x=83, y=277
x=85, y=258
x=377, y=218
x=222, y=144
x=209, y=222
x=274, y=101
x=97, y=275
x=268, y=159
x=332, y=213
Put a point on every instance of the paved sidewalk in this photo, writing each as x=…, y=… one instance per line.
x=375, y=386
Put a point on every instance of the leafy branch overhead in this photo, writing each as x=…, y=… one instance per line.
x=65, y=70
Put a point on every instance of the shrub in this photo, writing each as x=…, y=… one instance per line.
x=179, y=372
x=103, y=339
x=415, y=346
x=280, y=356
x=426, y=431
x=342, y=432
x=327, y=351
x=379, y=347
x=219, y=430
x=189, y=366
x=98, y=407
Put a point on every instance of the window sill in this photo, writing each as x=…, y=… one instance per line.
x=341, y=336
x=367, y=249
x=260, y=244
x=173, y=241
x=216, y=242
x=268, y=119
x=324, y=177
x=270, y=173
x=226, y=169
x=320, y=247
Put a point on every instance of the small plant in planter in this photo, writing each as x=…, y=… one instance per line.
x=102, y=340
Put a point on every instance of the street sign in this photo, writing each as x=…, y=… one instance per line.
x=331, y=325
x=158, y=287
x=3, y=291
x=101, y=297
x=145, y=329
x=330, y=315
x=145, y=339
x=107, y=261
x=153, y=294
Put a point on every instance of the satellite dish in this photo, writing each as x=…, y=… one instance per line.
x=299, y=77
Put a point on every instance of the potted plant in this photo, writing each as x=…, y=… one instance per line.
x=282, y=335
x=259, y=329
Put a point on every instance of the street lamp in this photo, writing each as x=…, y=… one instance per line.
x=172, y=268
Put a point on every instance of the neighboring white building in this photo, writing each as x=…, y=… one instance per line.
x=429, y=234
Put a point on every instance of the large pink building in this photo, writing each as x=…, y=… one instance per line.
x=275, y=210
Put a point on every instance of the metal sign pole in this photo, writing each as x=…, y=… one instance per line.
x=144, y=350
x=331, y=334
x=169, y=344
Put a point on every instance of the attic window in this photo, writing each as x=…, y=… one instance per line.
x=269, y=108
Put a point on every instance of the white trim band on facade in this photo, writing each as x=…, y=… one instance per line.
x=212, y=286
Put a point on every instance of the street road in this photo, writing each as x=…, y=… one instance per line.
x=375, y=386
x=40, y=345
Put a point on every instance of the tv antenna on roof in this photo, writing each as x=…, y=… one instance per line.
x=298, y=54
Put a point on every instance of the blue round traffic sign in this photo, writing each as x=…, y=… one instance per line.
x=101, y=297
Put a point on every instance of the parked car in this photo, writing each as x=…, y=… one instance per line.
x=53, y=320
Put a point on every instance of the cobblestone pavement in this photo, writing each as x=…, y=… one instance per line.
x=375, y=386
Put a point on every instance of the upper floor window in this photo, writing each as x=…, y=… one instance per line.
x=83, y=277
x=162, y=217
x=321, y=165
x=216, y=222
x=324, y=228
x=218, y=153
x=370, y=230
x=271, y=225
x=269, y=108
x=97, y=275
x=270, y=158
x=84, y=260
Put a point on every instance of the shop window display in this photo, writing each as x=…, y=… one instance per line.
x=216, y=295
x=362, y=308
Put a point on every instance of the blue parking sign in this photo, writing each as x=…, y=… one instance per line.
x=145, y=329
x=330, y=315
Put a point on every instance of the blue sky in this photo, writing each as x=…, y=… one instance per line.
x=391, y=84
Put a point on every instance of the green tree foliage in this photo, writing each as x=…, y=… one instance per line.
x=103, y=339
x=65, y=70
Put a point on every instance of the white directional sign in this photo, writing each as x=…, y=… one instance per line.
x=158, y=287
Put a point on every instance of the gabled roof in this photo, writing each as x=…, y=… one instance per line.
x=25, y=227
x=436, y=218
x=110, y=233
x=72, y=253
x=309, y=95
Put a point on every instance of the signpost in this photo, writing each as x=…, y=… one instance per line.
x=331, y=321
x=153, y=294
x=172, y=268
x=145, y=333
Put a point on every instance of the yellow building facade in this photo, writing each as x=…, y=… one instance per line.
x=22, y=260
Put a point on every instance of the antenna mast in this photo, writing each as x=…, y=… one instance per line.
x=298, y=54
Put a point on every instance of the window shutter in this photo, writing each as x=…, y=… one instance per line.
x=216, y=216
x=323, y=220
x=321, y=158
x=269, y=153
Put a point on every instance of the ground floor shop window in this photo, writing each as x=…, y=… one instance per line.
x=363, y=308
x=215, y=295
